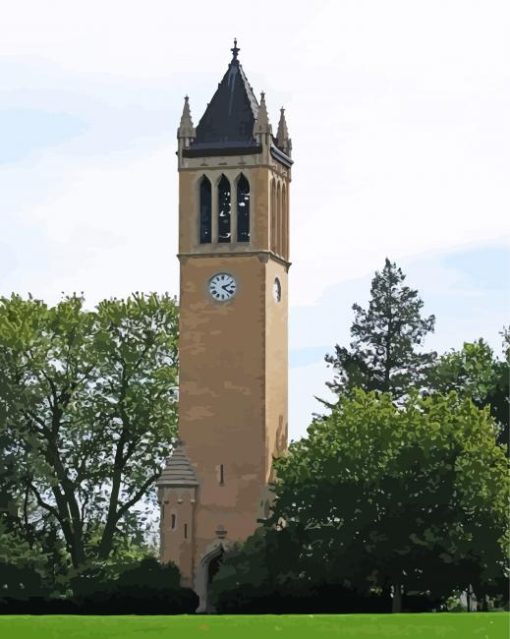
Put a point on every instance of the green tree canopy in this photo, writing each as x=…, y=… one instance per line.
x=413, y=496
x=89, y=409
x=263, y=565
x=475, y=372
x=383, y=353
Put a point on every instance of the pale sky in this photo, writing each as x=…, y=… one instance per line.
x=398, y=112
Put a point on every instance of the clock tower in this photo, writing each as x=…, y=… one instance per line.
x=234, y=178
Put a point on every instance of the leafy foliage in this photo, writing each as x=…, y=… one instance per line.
x=88, y=410
x=382, y=353
x=264, y=575
x=150, y=574
x=475, y=372
x=143, y=587
x=412, y=496
x=267, y=559
x=17, y=551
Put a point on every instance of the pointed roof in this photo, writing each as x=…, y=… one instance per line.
x=262, y=123
x=230, y=116
x=186, y=129
x=178, y=470
x=233, y=120
x=282, y=135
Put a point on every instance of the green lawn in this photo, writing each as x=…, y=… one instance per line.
x=417, y=626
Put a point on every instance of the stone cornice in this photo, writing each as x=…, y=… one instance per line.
x=262, y=255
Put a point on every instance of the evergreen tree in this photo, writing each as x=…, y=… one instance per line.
x=382, y=354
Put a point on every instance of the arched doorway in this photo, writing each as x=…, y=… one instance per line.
x=214, y=566
x=209, y=566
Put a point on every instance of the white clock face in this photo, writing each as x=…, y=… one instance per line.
x=277, y=290
x=222, y=287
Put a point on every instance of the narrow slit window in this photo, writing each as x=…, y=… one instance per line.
x=222, y=475
x=205, y=211
x=224, y=232
x=243, y=210
x=173, y=521
x=185, y=531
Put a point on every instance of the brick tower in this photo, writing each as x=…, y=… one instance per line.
x=234, y=178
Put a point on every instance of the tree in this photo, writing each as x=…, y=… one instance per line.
x=89, y=404
x=382, y=353
x=145, y=586
x=474, y=372
x=22, y=564
x=150, y=574
x=8, y=478
x=260, y=574
x=413, y=497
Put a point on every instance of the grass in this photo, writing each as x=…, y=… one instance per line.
x=415, y=626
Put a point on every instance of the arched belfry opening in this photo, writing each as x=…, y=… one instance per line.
x=243, y=209
x=205, y=210
x=224, y=231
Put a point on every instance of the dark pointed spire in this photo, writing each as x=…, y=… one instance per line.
x=230, y=116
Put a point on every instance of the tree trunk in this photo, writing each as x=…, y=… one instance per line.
x=105, y=545
x=106, y=542
x=396, y=605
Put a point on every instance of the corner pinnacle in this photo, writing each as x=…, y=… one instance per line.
x=262, y=122
x=186, y=128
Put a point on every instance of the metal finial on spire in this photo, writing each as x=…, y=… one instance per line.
x=235, y=50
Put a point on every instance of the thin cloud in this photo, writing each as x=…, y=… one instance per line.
x=397, y=113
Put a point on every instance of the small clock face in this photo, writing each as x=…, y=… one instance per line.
x=277, y=290
x=222, y=287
